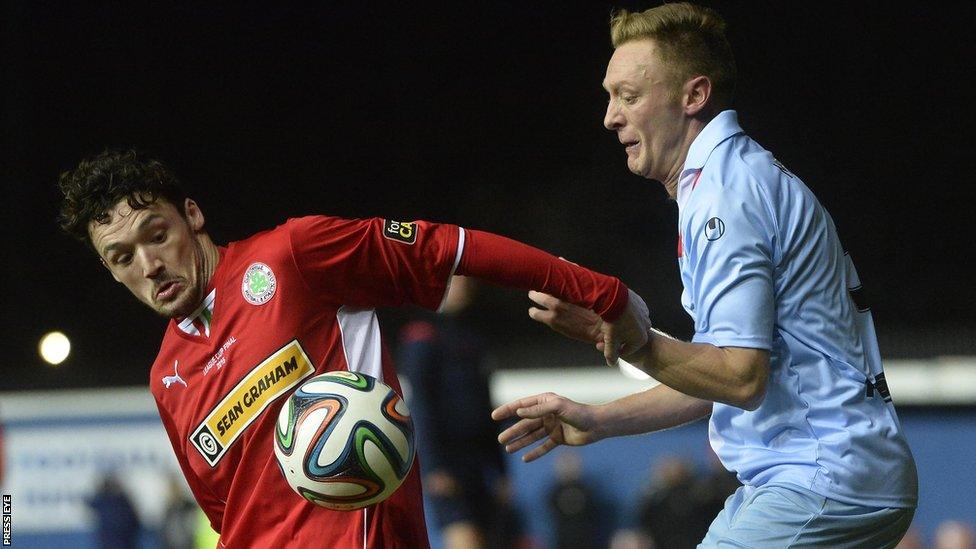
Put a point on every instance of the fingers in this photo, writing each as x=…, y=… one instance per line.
x=546, y=300
x=628, y=333
x=526, y=440
x=542, y=315
x=507, y=410
x=524, y=434
x=543, y=406
x=610, y=349
x=539, y=450
x=521, y=429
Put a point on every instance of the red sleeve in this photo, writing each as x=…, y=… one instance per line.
x=211, y=505
x=506, y=262
x=375, y=262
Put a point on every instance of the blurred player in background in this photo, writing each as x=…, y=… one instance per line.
x=178, y=529
x=444, y=361
x=117, y=524
x=954, y=534
x=784, y=356
x=251, y=320
x=574, y=505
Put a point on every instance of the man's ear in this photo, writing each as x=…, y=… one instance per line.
x=194, y=217
x=104, y=264
x=697, y=95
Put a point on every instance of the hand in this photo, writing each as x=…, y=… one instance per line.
x=548, y=416
x=624, y=336
x=570, y=320
x=627, y=334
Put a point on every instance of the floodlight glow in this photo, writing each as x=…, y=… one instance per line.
x=54, y=348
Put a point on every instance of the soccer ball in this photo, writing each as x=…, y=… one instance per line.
x=344, y=440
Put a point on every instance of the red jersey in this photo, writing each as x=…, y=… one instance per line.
x=289, y=303
x=299, y=300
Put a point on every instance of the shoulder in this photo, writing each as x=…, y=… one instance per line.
x=277, y=241
x=743, y=177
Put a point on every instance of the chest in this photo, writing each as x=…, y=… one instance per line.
x=224, y=388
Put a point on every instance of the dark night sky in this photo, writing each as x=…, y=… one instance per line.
x=488, y=116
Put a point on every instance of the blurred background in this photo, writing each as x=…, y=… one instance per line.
x=488, y=116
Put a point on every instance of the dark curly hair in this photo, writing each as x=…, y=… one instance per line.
x=100, y=182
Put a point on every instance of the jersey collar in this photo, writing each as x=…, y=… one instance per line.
x=718, y=129
x=198, y=323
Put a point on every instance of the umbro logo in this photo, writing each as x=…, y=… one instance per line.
x=175, y=378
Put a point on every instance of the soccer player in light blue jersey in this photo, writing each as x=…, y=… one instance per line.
x=784, y=358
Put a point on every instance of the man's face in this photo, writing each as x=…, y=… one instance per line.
x=156, y=253
x=645, y=110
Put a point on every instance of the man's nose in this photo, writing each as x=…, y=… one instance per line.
x=613, y=119
x=152, y=265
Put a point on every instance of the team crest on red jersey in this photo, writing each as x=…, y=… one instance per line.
x=259, y=284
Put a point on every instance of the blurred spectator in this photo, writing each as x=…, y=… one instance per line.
x=117, y=525
x=179, y=527
x=912, y=540
x=680, y=504
x=443, y=361
x=953, y=534
x=573, y=504
x=713, y=488
x=629, y=538
x=507, y=530
x=671, y=512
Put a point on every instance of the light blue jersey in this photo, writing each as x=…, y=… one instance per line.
x=763, y=268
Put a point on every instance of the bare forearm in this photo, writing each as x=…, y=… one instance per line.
x=656, y=409
x=734, y=376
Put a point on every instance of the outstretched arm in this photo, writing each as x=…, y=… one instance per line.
x=386, y=263
x=623, y=318
x=557, y=420
x=731, y=375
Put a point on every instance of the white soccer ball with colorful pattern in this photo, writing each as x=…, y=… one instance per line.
x=344, y=440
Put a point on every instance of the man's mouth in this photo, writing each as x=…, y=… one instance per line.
x=168, y=290
x=631, y=146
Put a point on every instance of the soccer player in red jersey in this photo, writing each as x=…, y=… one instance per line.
x=252, y=319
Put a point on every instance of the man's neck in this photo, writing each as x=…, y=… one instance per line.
x=695, y=127
x=209, y=257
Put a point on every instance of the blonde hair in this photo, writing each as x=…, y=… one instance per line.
x=691, y=41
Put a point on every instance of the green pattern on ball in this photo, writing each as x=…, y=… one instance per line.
x=287, y=438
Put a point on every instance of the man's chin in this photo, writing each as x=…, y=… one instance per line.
x=636, y=167
x=181, y=307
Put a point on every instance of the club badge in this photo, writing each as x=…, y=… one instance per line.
x=259, y=284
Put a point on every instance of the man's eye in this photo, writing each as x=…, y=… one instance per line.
x=159, y=237
x=629, y=99
x=123, y=259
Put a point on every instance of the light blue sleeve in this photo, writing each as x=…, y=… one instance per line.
x=730, y=238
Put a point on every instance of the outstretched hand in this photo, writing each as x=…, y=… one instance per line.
x=622, y=337
x=548, y=417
